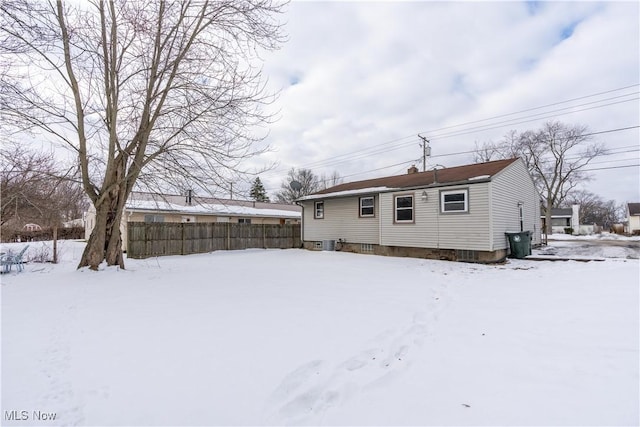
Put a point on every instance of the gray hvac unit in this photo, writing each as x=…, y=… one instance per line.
x=328, y=245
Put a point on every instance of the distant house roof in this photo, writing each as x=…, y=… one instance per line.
x=634, y=208
x=448, y=176
x=559, y=212
x=148, y=202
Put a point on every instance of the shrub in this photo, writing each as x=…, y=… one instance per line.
x=568, y=230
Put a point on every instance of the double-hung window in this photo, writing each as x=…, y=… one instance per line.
x=403, y=208
x=454, y=201
x=318, y=210
x=367, y=206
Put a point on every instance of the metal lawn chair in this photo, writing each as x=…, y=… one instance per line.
x=9, y=260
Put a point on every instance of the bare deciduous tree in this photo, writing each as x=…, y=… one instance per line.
x=331, y=180
x=148, y=93
x=308, y=183
x=595, y=210
x=555, y=155
x=36, y=189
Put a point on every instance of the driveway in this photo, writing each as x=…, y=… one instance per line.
x=604, y=248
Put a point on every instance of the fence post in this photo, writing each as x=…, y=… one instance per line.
x=228, y=236
x=182, y=229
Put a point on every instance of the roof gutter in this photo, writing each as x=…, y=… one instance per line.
x=391, y=190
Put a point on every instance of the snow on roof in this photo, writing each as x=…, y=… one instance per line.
x=346, y=193
x=209, y=209
x=476, y=178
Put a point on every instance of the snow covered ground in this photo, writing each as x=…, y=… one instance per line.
x=294, y=337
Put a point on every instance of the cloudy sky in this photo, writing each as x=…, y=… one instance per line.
x=360, y=80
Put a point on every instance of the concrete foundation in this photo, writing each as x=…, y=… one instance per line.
x=461, y=255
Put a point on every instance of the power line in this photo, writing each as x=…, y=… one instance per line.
x=537, y=108
x=610, y=153
x=480, y=129
x=325, y=163
x=611, y=167
x=373, y=150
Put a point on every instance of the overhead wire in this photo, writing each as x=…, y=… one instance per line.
x=398, y=144
x=385, y=145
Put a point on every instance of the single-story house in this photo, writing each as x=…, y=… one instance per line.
x=458, y=213
x=149, y=207
x=562, y=218
x=633, y=218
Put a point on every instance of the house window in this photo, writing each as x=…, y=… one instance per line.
x=454, y=201
x=367, y=206
x=318, y=211
x=153, y=218
x=366, y=247
x=244, y=220
x=561, y=222
x=404, y=208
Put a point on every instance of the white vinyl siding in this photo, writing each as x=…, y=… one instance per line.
x=341, y=221
x=509, y=187
x=433, y=229
x=492, y=209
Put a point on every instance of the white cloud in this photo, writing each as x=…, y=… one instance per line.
x=357, y=75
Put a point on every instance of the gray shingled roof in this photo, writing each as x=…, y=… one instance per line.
x=458, y=174
x=561, y=211
x=634, y=208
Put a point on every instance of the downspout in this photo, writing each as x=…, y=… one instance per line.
x=301, y=224
x=438, y=220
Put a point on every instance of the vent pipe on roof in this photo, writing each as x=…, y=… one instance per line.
x=189, y=197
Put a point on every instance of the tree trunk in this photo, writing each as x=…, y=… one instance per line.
x=105, y=242
x=55, y=244
x=547, y=216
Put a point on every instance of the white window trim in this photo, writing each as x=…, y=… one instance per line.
x=315, y=210
x=464, y=191
x=395, y=209
x=373, y=207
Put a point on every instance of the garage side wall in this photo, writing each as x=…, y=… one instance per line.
x=512, y=186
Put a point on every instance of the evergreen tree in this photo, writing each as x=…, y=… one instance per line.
x=258, y=192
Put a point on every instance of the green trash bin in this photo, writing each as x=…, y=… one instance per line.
x=520, y=244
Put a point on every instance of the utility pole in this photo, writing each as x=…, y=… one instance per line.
x=426, y=151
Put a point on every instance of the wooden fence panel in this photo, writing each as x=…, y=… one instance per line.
x=167, y=238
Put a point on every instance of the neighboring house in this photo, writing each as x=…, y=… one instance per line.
x=32, y=227
x=78, y=222
x=562, y=218
x=633, y=218
x=459, y=213
x=148, y=207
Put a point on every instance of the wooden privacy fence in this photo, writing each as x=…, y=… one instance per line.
x=147, y=239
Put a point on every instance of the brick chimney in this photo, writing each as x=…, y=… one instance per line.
x=412, y=169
